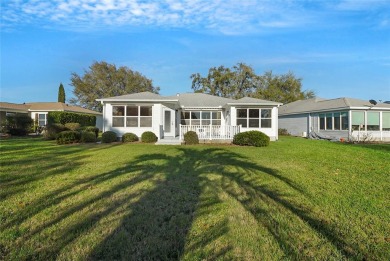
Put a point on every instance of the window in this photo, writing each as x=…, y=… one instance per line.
x=372, y=121
x=333, y=121
x=41, y=119
x=254, y=118
x=201, y=118
x=322, y=121
x=131, y=116
x=344, y=120
x=336, y=117
x=386, y=121
x=358, y=120
x=329, y=121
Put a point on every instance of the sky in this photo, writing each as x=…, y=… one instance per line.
x=339, y=48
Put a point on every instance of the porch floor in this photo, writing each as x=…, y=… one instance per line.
x=169, y=141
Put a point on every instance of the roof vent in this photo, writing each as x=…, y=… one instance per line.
x=177, y=94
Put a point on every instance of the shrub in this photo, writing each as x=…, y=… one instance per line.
x=52, y=131
x=87, y=136
x=283, y=132
x=129, y=137
x=92, y=129
x=148, y=137
x=191, y=138
x=18, y=125
x=251, y=138
x=66, y=137
x=64, y=117
x=74, y=126
x=108, y=137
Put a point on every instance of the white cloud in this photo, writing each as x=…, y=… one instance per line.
x=226, y=16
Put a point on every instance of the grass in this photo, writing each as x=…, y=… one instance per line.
x=296, y=199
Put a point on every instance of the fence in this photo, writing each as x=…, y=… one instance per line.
x=211, y=132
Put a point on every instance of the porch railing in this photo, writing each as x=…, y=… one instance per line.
x=211, y=132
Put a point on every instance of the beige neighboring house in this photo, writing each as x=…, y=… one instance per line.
x=38, y=111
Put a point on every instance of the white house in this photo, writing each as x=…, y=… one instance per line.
x=347, y=118
x=38, y=111
x=170, y=117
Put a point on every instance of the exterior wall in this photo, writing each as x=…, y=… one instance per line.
x=107, y=117
x=270, y=132
x=295, y=124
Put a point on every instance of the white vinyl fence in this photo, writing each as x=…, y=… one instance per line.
x=210, y=132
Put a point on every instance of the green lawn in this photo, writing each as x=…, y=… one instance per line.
x=296, y=199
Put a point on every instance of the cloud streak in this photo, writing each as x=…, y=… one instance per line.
x=225, y=16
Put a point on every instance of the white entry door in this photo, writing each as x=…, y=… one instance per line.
x=169, y=123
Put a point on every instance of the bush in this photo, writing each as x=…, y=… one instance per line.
x=283, y=132
x=108, y=137
x=18, y=125
x=66, y=137
x=87, y=136
x=148, y=137
x=74, y=126
x=52, y=131
x=191, y=138
x=129, y=137
x=251, y=138
x=92, y=129
x=64, y=117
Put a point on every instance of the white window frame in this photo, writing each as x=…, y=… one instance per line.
x=125, y=116
x=260, y=118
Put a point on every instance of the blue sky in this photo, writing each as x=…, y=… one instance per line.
x=338, y=48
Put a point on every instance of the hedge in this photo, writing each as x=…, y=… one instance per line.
x=108, y=137
x=64, y=117
x=148, y=137
x=191, y=138
x=129, y=137
x=251, y=138
x=66, y=137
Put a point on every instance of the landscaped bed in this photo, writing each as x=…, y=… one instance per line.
x=296, y=199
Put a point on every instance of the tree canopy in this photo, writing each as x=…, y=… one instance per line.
x=106, y=80
x=241, y=81
x=61, y=93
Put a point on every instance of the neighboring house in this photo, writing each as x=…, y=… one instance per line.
x=38, y=111
x=346, y=118
x=211, y=117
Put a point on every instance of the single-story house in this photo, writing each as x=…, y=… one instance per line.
x=170, y=117
x=347, y=118
x=39, y=110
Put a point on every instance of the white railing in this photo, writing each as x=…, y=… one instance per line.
x=210, y=132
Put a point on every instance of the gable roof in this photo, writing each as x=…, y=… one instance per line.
x=196, y=100
x=319, y=104
x=254, y=101
x=189, y=100
x=13, y=107
x=140, y=96
x=45, y=106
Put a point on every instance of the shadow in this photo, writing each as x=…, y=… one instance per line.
x=163, y=206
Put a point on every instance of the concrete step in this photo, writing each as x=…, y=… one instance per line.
x=169, y=141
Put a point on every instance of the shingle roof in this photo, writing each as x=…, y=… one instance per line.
x=201, y=100
x=45, y=106
x=13, y=106
x=250, y=100
x=189, y=100
x=136, y=96
x=319, y=104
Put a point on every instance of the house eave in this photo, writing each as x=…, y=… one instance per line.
x=335, y=109
x=137, y=100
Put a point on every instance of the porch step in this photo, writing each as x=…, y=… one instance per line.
x=169, y=141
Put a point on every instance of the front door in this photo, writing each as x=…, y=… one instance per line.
x=169, y=123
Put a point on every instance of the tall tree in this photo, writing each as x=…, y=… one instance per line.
x=106, y=80
x=241, y=81
x=61, y=94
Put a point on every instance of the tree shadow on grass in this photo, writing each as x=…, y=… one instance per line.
x=145, y=210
